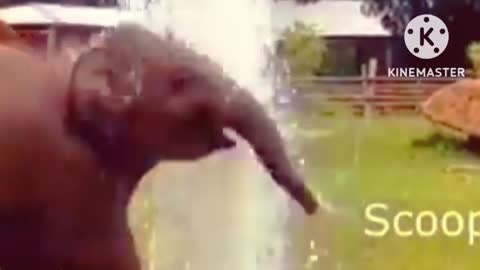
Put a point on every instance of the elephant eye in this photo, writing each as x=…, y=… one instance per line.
x=181, y=81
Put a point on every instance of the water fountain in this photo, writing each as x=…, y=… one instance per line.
x=222, y=212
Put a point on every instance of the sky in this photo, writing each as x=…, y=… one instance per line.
x=332, y=17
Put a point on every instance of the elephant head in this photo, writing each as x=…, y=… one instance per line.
x=165, y=101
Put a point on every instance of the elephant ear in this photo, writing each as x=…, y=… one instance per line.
x=94, y=107
x=91, y=71
x=96, y=83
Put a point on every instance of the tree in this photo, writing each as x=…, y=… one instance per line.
x=303, y=49
x=459, y=15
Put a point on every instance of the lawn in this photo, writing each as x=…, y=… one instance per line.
x=354, y=162
x=350, y=162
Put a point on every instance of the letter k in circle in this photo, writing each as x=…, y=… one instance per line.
x=425, y=36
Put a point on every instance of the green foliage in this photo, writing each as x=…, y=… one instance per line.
x=442, y=144
x=396, y=14
x=473, y=55
x=304, y=49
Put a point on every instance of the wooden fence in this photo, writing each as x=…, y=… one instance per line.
x=377, y=95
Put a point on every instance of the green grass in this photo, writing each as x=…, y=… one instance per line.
x=382, y=159
x=350, y=162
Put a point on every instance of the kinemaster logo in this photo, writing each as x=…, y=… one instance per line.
x=426, y=37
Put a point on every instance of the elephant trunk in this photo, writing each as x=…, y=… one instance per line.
x=250, y=120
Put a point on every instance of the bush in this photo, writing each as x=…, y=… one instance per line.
x=304, y=49
x=473, y=54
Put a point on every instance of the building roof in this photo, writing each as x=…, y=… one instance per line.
x=334, y=18
x=39, y=14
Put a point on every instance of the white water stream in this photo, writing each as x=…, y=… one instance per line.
x=223, y=212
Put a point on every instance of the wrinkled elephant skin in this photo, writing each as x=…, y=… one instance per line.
x=74, y=147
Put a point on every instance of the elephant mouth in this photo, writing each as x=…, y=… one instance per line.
x=211, y=143
x=222, y=141
x=185, y=144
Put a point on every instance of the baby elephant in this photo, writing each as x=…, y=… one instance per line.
x=74, y=150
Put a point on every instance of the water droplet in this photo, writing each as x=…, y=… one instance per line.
x=312, y=244
x=313, y=258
